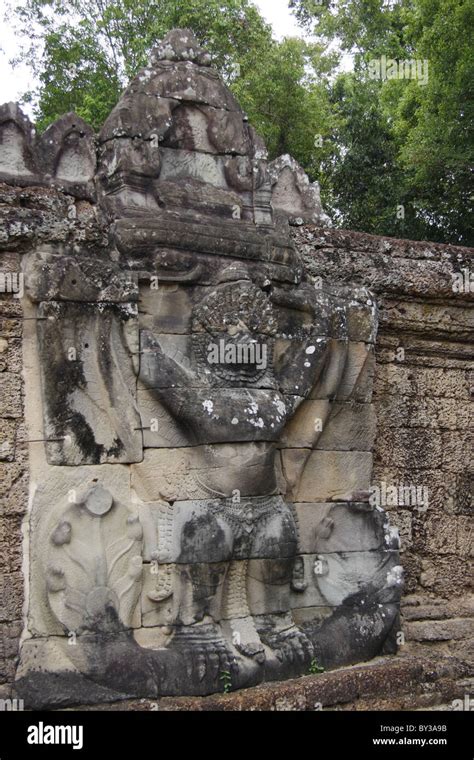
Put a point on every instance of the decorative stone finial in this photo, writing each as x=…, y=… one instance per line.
x=293, y=195
x=181, y=45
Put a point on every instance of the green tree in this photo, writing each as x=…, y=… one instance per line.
x=435, y=124
x=286, y=96
x=360, y=26
x=427, y=130
x=362, y=145
x=83, y=52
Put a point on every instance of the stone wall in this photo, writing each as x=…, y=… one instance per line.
x=13, y=475
x=28, y=215
x=423, y=390
x=199, y=417
x=126, y=445
x=422, y=397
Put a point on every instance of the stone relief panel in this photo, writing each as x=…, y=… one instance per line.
x=207, y=417
x=88, y=382
x=94, y=564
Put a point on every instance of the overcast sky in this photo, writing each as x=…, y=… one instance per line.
x=14, y=82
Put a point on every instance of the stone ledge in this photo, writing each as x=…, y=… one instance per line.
x=386, y=683
x=440, y=630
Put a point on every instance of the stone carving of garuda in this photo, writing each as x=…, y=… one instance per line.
x=213, y=426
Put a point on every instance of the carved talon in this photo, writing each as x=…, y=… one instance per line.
x=291, y=645
x=210, y=662
x=253, y=650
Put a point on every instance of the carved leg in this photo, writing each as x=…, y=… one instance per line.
x=238, y=623
x=270, y=581
x=198, y=592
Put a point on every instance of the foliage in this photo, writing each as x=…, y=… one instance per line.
x=226, y=678
x=287, y=100
x=401, y=143
x=84, y=51
x=314, y=668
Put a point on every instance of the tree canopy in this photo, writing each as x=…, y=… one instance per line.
x=405, y=144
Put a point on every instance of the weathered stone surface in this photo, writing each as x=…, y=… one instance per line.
x=445, y=572
x=65, y=557
x=293, y=194
x=350, y=427
x=326, y=475
x=127, y=169
x=52, y=673
x=8, y=440
x=388, y=266
x=67, y=155
x=359, y=371
x=88, y=382
x=165, y=458
x=63, y=156
x=362, y=315
x=341, y=527
x=54, y=277
x=10, y=355
x=404, y=683
x=165, y=309
x=427, y=382
x=186, y=164
x=10, y=396
x=199, y=472
x=272, y=589
x=402, y=521
x=11, y=587
x=440, y=321
x=140, y=116
x=32, y=215
x=180, y=45
x=144, y=237
x=210, y=130
x=13, y=481
x=159, y=429
x=306, y=426
x=213, y=414
x=422, y=391
x=101, y=594
x=184, y=81
x=217, y=530
x=344, y=574
x=449, y=535
x=17, y=159
x=435, y=413
x=429, y=607
x=440, y=630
